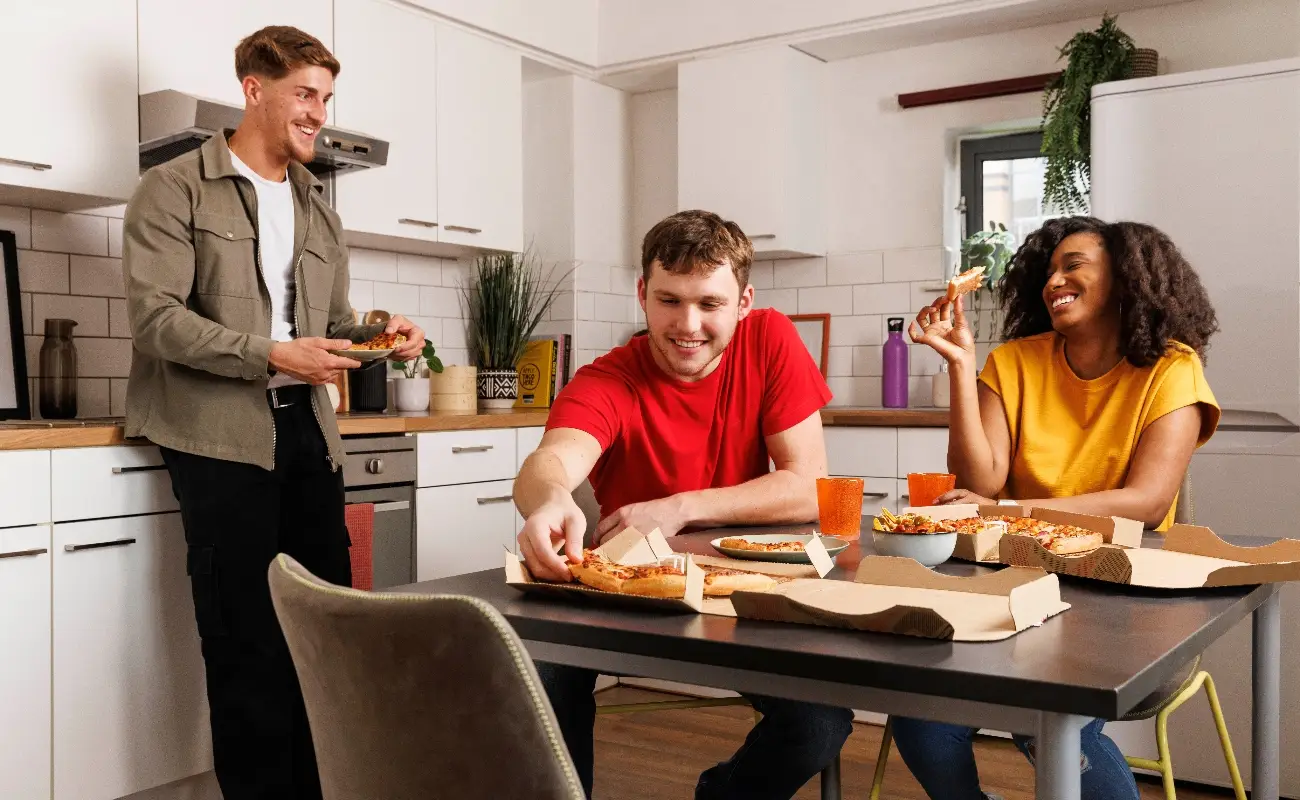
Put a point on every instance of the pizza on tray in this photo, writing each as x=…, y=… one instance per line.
x=910, y=523
x=649, y=580
x=1063, y=540
x=722, y=581
x=737, y=543
x=380, y=341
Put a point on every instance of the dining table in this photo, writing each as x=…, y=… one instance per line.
x=1114, y=647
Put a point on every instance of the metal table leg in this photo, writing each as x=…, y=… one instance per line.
x=1056, y=761
x=831, y=780
x=1266, y=683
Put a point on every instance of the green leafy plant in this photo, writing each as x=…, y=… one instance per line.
x=991, y=249
x=1093, y=57
x=506, y=298
x=411, y=369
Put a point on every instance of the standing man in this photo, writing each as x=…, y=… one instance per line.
x=675, y=430
x=237, y=287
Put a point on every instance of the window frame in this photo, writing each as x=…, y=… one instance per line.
x=974, y=152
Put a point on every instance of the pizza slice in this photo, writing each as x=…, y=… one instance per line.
x=737, y=543
x=1062, y=540
x=722, y=581
x=968, y=281
x=599, y=572
x=380, y=341
x=650, y=580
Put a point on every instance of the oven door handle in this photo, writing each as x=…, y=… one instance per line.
x=392, y=505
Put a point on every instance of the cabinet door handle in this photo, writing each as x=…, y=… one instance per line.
x=476, y=448
x=395, y=505
x=423, y=223
x=762, y=236
x=23, y=553
x=142, y=468
x=72, y=548
x=463, y=229
x=15, y=162
x=505, y=498
x=904, y=497
x=876, y=495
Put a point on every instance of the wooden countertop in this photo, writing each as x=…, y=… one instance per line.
x=41, y=435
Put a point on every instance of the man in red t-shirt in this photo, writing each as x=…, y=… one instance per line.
x=674, y=431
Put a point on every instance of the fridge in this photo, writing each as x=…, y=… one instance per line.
x=1212, y=158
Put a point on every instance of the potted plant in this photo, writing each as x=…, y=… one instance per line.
x=991, y=249
x=1093, y=57
x=506, y=298
x=411, y=390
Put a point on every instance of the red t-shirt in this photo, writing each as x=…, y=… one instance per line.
x=660, y=436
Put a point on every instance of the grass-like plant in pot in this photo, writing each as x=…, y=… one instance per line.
x=1093, y=57
x=506, y=298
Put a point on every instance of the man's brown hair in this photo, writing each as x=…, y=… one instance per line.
x=696, y=243
x=277, y=50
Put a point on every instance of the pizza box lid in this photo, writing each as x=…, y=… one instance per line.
x=900, y=596
x=984, y=545
x=1191, y=557
x=630, y=548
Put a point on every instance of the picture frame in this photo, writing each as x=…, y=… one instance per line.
x=15, y=400
x=815, y=331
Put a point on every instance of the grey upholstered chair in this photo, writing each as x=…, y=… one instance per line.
x=418, y=697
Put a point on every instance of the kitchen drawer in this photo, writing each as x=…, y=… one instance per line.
x=922, y=450
x=97, y=482
x=878, y=493
x=862, y=452
x=462, y=529
x=24, y=487
x=447, y=458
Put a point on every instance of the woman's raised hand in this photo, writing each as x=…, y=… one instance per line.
x=942, y=326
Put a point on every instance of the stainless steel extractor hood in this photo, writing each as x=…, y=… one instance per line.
x=172, y=123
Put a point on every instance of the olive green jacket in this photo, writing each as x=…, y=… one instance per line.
x=200, y=312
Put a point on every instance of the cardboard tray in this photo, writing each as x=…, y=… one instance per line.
x=1192, y=557
x=898, y=595
x=985, y=545
x=630, y=548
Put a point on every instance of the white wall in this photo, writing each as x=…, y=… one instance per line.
x=548, y=167
x=602, y=173
x=566, y=28
x=654, y=162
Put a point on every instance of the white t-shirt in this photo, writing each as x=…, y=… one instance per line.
x=275, y=250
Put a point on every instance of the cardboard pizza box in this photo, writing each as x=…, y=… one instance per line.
x=984, y=546
x=629, y=548
x=900, y=596
x=1192, y=557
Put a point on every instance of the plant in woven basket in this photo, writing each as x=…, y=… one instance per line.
x=1093, y=57
x=506, y=297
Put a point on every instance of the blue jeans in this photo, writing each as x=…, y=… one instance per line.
x=942, y=758
x=793, y=742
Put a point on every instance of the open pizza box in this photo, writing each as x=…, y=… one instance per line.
x=1192, y=557
x=630, y=548
x=899, y=595
x=985, y=545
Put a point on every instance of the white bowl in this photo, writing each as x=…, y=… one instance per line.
x=931, y=549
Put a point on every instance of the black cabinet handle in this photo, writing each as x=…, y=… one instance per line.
x=72, y=548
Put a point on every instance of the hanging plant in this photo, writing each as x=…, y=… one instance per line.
x=992, y=250
x=1093, y=57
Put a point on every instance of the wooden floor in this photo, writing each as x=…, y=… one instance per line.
x=659, y=755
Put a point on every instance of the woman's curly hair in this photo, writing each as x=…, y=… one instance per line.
x=1160, y=295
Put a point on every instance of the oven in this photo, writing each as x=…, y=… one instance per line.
x=380, y=469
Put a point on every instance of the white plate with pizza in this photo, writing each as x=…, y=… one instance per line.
x=379, y=346
x=775, y=547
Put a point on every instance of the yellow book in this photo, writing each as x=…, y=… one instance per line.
x=536, y=374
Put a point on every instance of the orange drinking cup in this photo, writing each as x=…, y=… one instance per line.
x=923, y=488
x=839, y=507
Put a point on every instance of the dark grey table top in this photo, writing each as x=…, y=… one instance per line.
x=1112, y=648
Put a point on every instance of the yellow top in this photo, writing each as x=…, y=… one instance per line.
x=1070, y=436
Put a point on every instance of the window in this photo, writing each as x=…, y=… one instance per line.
x=1002, y=181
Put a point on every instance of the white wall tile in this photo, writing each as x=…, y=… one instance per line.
x=612, y=307
x=620, y=333
x=69, y=233
x=97, y=276
x=91, y=313
x=854, y=331
x=582, y=358
x=844, y=268
x=854, y=391
x=117, y=396
x=915, y=264
x=882, y=298
x=372, y=265
x=103, y=358
x=435, y=301
x=784, y=300
x=586, y=305
x=453, y=355
x=825, y=300
x=550, y=327
x=398, y=299
x=922, y=359
x=867, y=360
x=594, y=335
x=593, y=277
x=926, y=292
x=34, y=355
x=42, y=272
x=18, y=220
x=622, y=280
x=455, y=273
x=420, y=270
x=93, y=397
x=920, y=392
x=115, y=238
x=454, y=334
x=361, y=294
x=432, y=327
x=27, y=312
x=564, y=307
x=839, y=361
x=760, y=275
x=798, y=273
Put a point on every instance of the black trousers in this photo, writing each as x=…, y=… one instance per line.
x=237, y=517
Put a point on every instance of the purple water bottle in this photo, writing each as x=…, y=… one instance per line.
x=895, y=359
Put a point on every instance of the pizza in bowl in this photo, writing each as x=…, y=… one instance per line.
x=911, y=524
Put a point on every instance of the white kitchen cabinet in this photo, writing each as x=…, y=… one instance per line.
x=380, y=91
x=71, y=133
x=470, y=456
x=879, y=493
x=113, y=481
x=25, y=666
x=129, y=703
x=922, y=450
x=480, y=142
x=196, y=55
x=24, y=487
x=862, y=451
x=749, y=146
x=462, y=528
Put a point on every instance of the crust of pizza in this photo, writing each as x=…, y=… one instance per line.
x=599, y=572
x=1075, y=543
x=652, y=580
x=736, y=543
x=721, y=581
x=656, y=582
